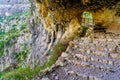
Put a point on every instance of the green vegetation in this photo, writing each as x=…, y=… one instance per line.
x=0, y=74
x=28, y=73
x=23, y=26
x=14, y=17
x=83, y=29
x=1, y=46
x=14, y=32
x=21, y=56
x=17, y=25
x=6, y=38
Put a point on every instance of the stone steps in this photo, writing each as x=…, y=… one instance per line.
x=102, y=52
x=96, y=54
x=87, y=73
x=91, y=59
x=95, y=64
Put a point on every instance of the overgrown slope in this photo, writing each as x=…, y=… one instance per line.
x=14, y=40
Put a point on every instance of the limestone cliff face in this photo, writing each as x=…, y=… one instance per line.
x=57, y=13
x=55, y=21
x=61, y=20
x=52, y=24
x=52, y=21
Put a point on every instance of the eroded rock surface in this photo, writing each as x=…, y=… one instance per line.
x=62, y=20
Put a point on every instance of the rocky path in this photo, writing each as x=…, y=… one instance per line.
x=89, y=59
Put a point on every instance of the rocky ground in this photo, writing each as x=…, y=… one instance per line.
x=88, y=59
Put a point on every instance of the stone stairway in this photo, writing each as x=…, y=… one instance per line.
x=89, y=59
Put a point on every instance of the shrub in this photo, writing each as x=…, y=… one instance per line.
x=23, y=26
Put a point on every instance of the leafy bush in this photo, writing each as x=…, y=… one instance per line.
x=23, y=26
x=1, y=48
x=0, y=74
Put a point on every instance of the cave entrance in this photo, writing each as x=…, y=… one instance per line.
x=87, y=23
x=87, y=19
